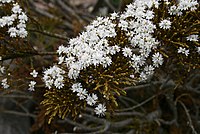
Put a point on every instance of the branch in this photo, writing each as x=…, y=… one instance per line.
x=26, y=54
x=54, y=35
x=138, y=105
x=18, y=113
x=189, y=118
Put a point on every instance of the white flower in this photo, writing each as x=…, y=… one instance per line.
x=193, y=37
x=157, y=59
x=21, y=25
x=59, y=82
x=165, y=24
x=32, y=86
x=13, y=31
x=127, y=52
x=8, y=20
x=91, y=100
x=23, y=18
x=4, y=83
x=54, y=76
x=100, y=110
x=16, y=8
x=173, y=10
x=137, y=60
x=143, y=76
x=193, y=5
x=149, y=15
x=82, y=93
x=183, y=5
x=149, y=70
x=22, y=32
x=183, y=51
x=76, y=87
x=2, y=69
x=2, y=22
x=113, y=16
x=188, y=4
x=61, y=59
x=61, y=49
x=74, y=71
x=34, y=73
x=107, y=61
x=69, y=60
x=48, y=82
x=124, y=25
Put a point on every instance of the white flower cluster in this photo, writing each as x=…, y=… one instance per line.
x=4, y=83
x=178, y=9
x=191, y=38
x=92, y=47
x=16, y=22
x=91, y=99
x=136, y=21
x=6, y=1
x=32, y=84
x=182, y=6
x=54, y=76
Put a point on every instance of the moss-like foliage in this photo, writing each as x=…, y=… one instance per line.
x=61, y=103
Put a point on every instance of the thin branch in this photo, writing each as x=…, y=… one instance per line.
x=142, y=86
x=128, y=114
x=26, y=54
x=81, y=126
x=68, y=9
x=189, y=118
x=121, y=124
x=138, y=105
x=54, y=35
x=44, y=13
x=18, y=113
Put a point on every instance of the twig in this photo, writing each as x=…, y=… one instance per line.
x=138, y=105
x=68, y=9
x=189, y=118
x=142, y=86
x=16, y=96
x=26, y=54
x=18, y=113
x=128, y=114
x=44, y=13
x=54, y=35
x=81, y=126
x=121, y=124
